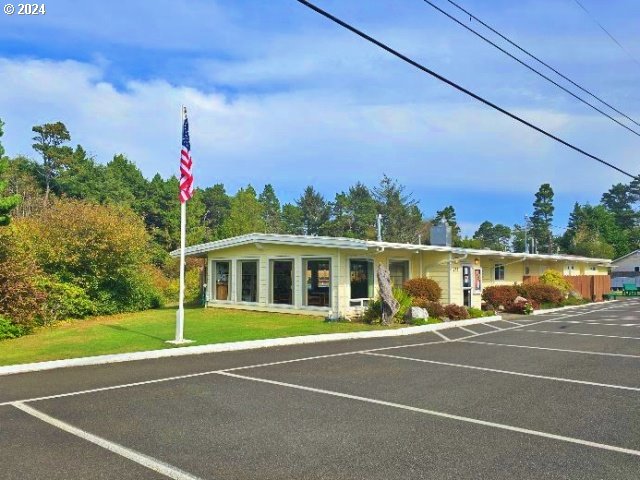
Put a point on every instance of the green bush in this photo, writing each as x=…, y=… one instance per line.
x=455, y=312
x=499, y=295
x=475, y=312
x=488, y=313
x=556, y=279
x=63, y=301
x=373, y=314
x=10, y=330
x=423, y=288
x=426, y=321
x=572, y=301
x=435, y=309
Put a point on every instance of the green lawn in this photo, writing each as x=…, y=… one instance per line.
x=148, y=330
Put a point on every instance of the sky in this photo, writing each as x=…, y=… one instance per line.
x=278, y=94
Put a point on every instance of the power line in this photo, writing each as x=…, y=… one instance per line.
x=607, y=32
x=526, y=65
x=456, y=86
x=523, y=50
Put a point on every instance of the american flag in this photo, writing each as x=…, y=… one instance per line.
x=186, y=175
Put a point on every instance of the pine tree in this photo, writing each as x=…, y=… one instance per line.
x=55, y=156
x=542, y=218
x=271, y=214
x=7, y=203
x=245, y=214
x=401, y=217
x=315, y=212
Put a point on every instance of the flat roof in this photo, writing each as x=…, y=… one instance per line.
x=357, y=244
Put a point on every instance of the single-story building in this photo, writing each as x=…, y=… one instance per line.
x=334, y=276
x=625, y=269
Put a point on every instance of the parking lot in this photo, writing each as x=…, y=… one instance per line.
x=552, y=396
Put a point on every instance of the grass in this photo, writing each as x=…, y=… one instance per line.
x=148, y=330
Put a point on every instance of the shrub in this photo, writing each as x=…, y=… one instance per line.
x=488, y=313
x=423, y=288
x=555, y=279
x=373, y=314
x=64, y=301
x=10, y=330
x=571, y=301
x=499, y=295
x=523, y=307
x=455, y=312
x=541, y=293
x=475, y=312
x=435, y=309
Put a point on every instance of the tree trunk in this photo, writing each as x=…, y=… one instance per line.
x=390, y=305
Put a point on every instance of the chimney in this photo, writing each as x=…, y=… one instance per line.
x=441, y=234
x=379, y=226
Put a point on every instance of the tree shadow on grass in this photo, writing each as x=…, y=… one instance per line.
x=123, y=329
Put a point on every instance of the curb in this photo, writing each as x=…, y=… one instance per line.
x=235, y=346
x=561, y=309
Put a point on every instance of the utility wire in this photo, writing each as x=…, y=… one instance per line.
x=456, y=86
x=523, y=50
x=607, y=32
x=526, y=65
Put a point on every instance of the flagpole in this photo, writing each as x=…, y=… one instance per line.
x=183, y=230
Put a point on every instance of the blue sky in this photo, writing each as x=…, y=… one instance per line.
x=279, y=95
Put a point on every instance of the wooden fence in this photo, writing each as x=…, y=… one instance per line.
x=591, y=287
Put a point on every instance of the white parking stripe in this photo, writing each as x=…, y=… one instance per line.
x=595, y=322
x=586, y=352
x=447, y=339
x=507, y=372
x=492, y=326
x=515, y=323
x=582, y=334
x=468, y=330
x=151, y=463
x=435, y=413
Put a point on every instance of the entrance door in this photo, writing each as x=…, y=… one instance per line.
x=466, y=285
x=282, y=278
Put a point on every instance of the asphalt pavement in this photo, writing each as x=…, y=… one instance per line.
x=554, y=396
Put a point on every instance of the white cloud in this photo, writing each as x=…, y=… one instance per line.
x=324, y=137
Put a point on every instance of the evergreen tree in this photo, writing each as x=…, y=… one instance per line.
x=245, y=214
x=401, y=217
x=315, y=211
x=495, y=237
x=271, y=214
x=542, y=218
x=7, y=203
x=292, y=222
x=619, y=200
x=217, y=205
x=517, y=239
x=82, y=178
x=354, y=214
x=49, y=139
x=592, y=231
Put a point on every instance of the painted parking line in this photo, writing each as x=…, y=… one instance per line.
x=492, y=326
x=582, y=334
x=596, y=322
x=442, y=335
x=516, y=323
x=435, y=413
x=506, y=372
x=585, y=352
x=151, y=463
x=468, y=330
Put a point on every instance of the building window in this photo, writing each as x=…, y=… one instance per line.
x=318, y=283
x=399, y=271
x=527, y=270
x=361, y=279
x=637, y=269
x=498, y=271
x=248, y=281
x=221, y=276
x=282, y=282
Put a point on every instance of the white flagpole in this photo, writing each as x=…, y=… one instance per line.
x=183, y=230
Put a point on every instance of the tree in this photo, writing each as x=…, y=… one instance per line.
x=594, y=229
x=292, y=219
x=354, y=214
x=449, y=214
x=543, y=217
x=619, y=200
x=245, y=214
x=315, y=211
x=271, y=214
x=518, y=237
x=7, y=203
x=21, y=177
x=401, y=217
x=55, y=156
x=495, y=237
x=217, y=205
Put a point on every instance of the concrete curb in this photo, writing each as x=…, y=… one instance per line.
x=236, y=346
x=560, y=309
